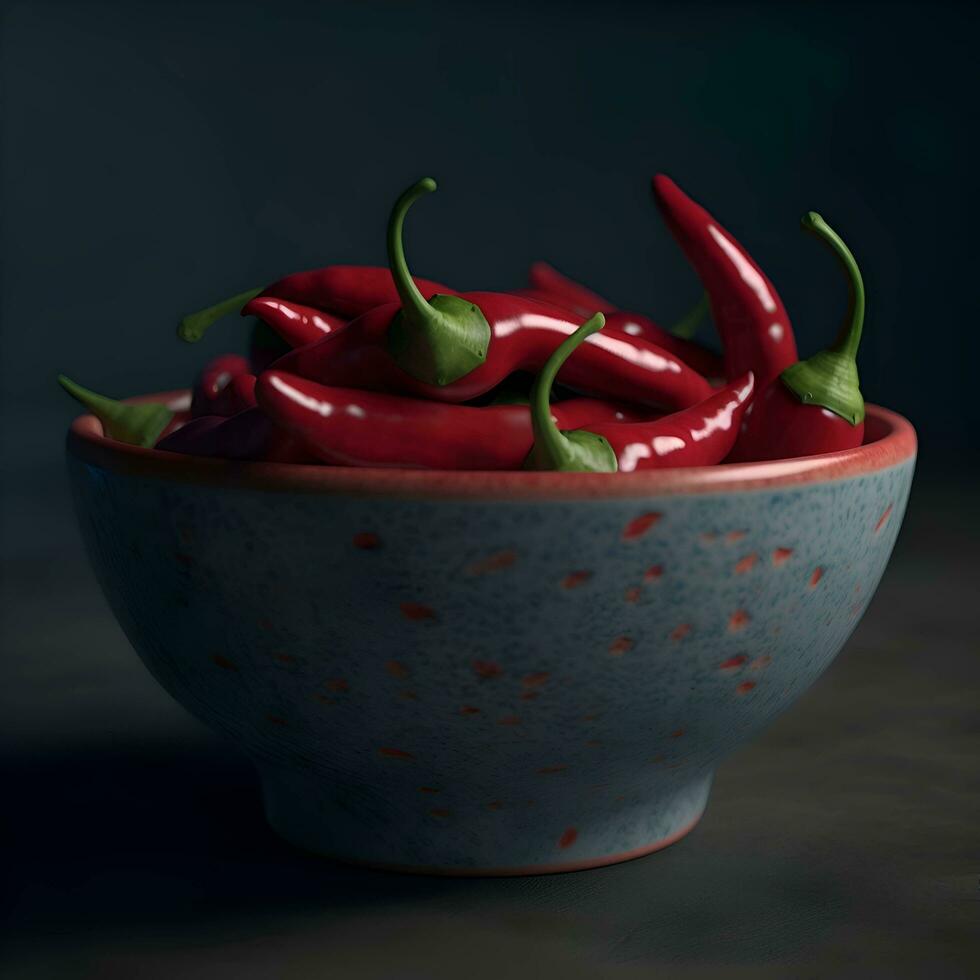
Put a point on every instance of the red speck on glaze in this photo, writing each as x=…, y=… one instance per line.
x=264, y=624
x=657, y=758
x=397, y=669
x=640, y=525
x=745, y=687
x=502, y=559
x=815, y=577
x=509, y=720
x=547, y=770
x=468, y=709
x=679, y=632
x=395, y=753
x=429, y=789
x=223, y=662
x=408, y=696
x=733, y=663
x=275, y=719
x=884, y=517
x=416, y=611
x=781, y=555
x=574, y=579
x=734, y=536
x=568, y=838
x=283, y=658
x=678, y=734
x=535, y=679
x=337, y=684
x=593, y=741
x=709, y=537
x=487, y=669
x=591, y=717
x=621, y=645
x=760, y=663
x=633, y=593
x=737, y=620
x=494, y=805
x=653, y=573
x=746, y=564
x=366, y=540
x=440, y=811
x=529, y=695
x=184, y=559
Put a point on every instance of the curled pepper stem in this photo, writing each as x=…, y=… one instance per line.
x=687, y=326
x=138, y=425
x=850, y=335
x=193, y=326
x=408, y=292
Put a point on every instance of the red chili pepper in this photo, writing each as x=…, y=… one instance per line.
x=698, y=436
x=347, y=427
x=226, y=386
x=250, y=435
x=296, y=324
x=751, y=319
x=456, y=348
x=814, y=406
x=549, y=285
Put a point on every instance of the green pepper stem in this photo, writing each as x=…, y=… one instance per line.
x=138, y=425
x=850, y=334
x=414, y=304
x=547, y=437
x=687, y=326
x=193, y=326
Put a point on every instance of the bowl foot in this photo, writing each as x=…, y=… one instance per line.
x=436, y=835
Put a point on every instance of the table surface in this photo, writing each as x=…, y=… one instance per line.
x=843, y=842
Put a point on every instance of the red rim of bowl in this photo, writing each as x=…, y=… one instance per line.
x=889, y=440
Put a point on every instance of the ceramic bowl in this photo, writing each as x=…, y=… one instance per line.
x=488, y=673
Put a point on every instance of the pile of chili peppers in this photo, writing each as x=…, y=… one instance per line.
x=367, y=366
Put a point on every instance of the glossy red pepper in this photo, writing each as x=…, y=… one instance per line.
x=347, y=427
x=570, y=295
x=250, y=435
x=751, y=319
x=698, y=436
x=296, y=325
x=814, y=406
x=226, y=386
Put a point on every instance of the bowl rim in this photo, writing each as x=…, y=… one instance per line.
x=892, y=441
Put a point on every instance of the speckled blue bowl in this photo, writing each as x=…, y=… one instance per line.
x=488, y=673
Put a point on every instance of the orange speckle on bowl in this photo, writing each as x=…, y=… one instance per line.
x=679, y=632
x=548, y=770
x=709, y=537
x=469, y=709
x=397, y=669
x=734, y=536
x=408, y=696
x=283, y=658
x=416, y=611
x=738, y=620
x=633, y=593
x=275, y=720
x=223, y=662
x=509, y=720
x=535, y=679
x=440, y=811
x=494, y=805
x=593, y=741
x=884, y=518
x=733, y=663
x=746, y=564
x=493, y=563
x=745, y=687
x=337, y=684
x=657, y=759
x=781, y=555
x=568, y=837
x=678, y=734
x=815, y=577
x=574, y=579
x=760, y=663
x=323, y=699
x=429, y=789
x=395, y=753
x=529, y=695
x=592, y=717
x=653, y=573
x=621, y=645
x=366, y=540
x=640, y=525
x=487, y=669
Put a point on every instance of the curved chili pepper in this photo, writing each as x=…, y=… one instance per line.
x=347, y=427
x=751, y=319
x=698, y=436
x=814, y=406
x=250, y=435
x=226, y=386
x=570, y=295
x=138, y=425
x=296, y=324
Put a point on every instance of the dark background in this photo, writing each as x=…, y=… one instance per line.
x=159, y=156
